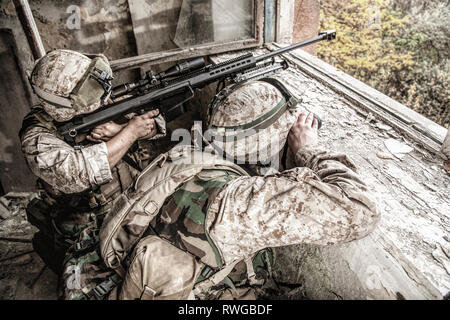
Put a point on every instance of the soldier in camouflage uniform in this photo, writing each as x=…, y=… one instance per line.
x=78, y=182
x=191, y=229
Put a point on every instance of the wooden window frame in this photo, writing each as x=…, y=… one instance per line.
x=197, y=51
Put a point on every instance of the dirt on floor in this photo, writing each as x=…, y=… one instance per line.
x=23, y=275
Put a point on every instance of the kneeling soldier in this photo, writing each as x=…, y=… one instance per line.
x=77, y=182
x=195, y=225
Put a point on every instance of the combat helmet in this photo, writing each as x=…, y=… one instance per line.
x=69, y=83
x=249, y=122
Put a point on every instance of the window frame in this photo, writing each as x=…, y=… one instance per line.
x=199, y=50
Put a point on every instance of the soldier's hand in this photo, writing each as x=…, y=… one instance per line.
x=303, y=132
x=104, y=132
x=143, y=126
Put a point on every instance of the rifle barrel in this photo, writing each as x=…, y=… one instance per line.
x=326, y=35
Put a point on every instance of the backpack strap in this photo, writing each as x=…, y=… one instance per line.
x=208, y=279
x=136, y=208
x=251, y=275
x=101, y=291
x=215, y=279
x=222, y=275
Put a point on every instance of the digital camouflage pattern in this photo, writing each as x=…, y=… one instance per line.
x=76, y=184
x=67, y=169
x=322, y=201
x=76, y=187
x=58, y=73
x=253, y=144
x=234, y=109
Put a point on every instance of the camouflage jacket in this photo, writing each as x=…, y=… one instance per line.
x=67, y=169
x=321, y=201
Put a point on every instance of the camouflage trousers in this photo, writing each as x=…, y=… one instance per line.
x=173, y=254
x=161, y=271
x=67, y=241
x=85, y=276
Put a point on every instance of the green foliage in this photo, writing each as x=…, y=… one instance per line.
x=403, y=54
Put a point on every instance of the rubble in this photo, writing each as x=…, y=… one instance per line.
x=23, y=274
x=4, y=211
x=397, y=148
x=384, y=155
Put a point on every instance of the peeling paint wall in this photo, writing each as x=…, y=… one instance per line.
x=14, y=101
x=306, y=22
x=90, y=26
x=87, y=26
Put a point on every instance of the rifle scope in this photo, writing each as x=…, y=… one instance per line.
x=181, y=68
x=174, y=71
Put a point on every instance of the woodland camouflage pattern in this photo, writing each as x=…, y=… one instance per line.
x=83, y=269
x=182, y=218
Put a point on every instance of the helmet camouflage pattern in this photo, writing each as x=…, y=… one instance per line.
x=250, y=122
x=69, y=83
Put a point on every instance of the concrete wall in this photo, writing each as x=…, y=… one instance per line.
x=306, y=22
x=14, y=102
x=88, y=26
x=297, y=20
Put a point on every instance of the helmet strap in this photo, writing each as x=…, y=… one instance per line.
x=104, y=78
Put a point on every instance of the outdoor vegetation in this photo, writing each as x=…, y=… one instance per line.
x=399, y=47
